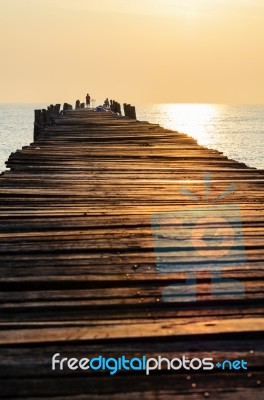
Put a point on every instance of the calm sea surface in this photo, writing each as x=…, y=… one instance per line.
x=237, y=131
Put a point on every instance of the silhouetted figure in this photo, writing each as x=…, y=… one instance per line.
x=106, y=103
x=88, y=100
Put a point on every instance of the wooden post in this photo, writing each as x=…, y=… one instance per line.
x=46, y=117
x=65, y=105
x=52, y=110
x=129, y=111
x=37, y=116
x=43, y=113
x=57, y=110
x=54, y=113
x=37, y=124
x=133, y=112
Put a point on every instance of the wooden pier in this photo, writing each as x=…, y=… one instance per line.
x=79, y=272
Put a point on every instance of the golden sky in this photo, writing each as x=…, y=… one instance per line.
x=197, y=51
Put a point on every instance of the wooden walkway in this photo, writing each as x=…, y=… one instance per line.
x=79, y=274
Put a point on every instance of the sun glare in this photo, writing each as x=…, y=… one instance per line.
x=190, y=118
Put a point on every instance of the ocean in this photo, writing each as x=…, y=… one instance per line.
x=235, y=130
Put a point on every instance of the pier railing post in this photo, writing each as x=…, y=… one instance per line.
x=67, y=107
x=129, y=111
x=133, y=112
x=57, y=110
x=115, y=107
x=125, y=110
x=37, y=124
x=52, y=108
x=45, y=117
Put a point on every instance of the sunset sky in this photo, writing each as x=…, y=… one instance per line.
x=197, y=51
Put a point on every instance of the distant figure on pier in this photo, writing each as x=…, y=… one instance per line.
x=106, y=103
x=88, y=100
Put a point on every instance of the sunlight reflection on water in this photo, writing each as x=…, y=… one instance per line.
x=237, y=131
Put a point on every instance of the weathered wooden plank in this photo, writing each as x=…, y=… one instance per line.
x=135, y=330
x=221, y=384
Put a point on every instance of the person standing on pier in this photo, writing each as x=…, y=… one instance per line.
x=106, y=103
x=88, y=100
